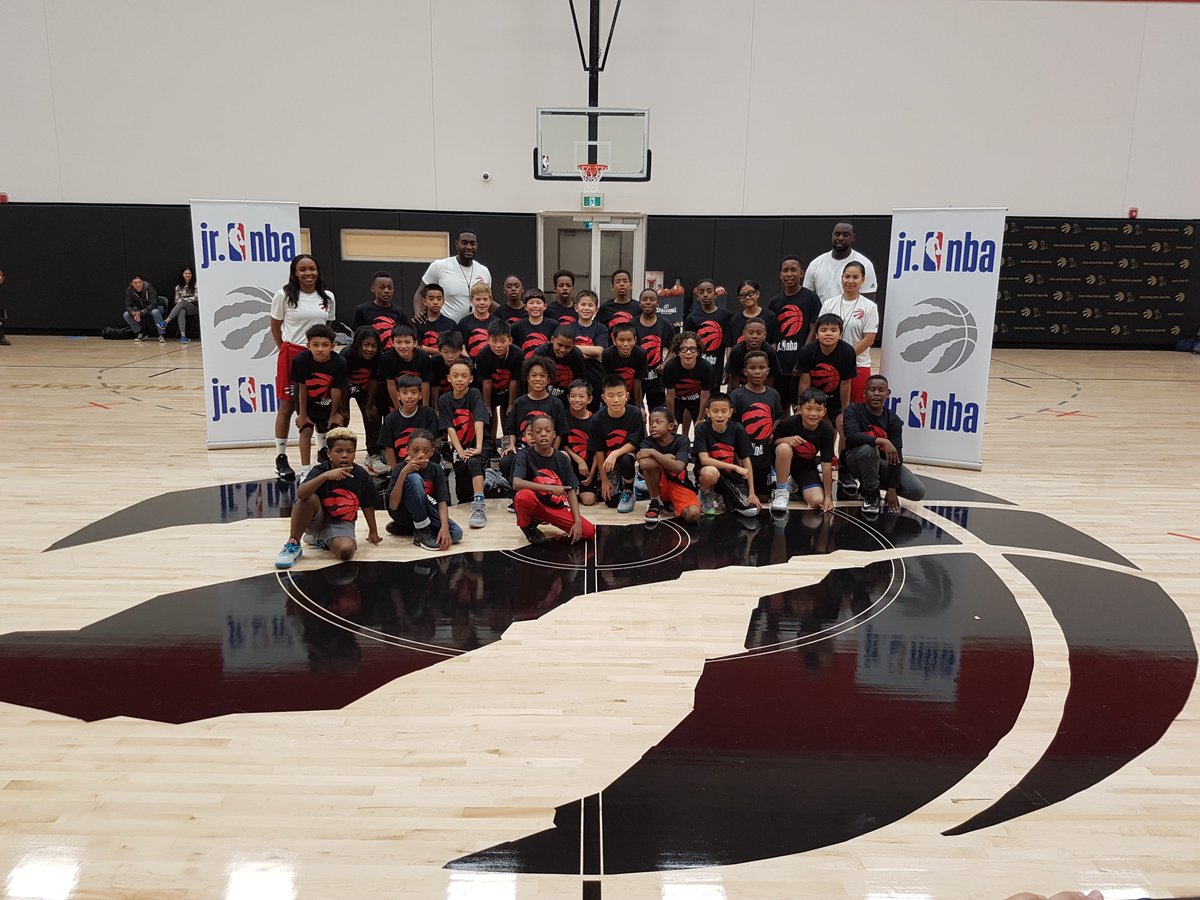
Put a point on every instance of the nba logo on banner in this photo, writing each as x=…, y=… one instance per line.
x=237, y=242
x=247, y=396
x=935, y=242
x=918, y=409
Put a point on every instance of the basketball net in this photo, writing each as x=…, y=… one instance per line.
x=591, y=173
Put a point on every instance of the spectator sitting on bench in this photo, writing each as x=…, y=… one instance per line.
x=141, y=302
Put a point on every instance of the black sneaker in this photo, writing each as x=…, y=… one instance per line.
x=323, y=455
x=533, y=534
x=283, y=471
x=426, y=538
x=870, y=506
x=654, y=510
x=393, y=527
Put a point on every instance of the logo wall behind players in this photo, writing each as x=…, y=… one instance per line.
x=243, y=251
x=937, y=329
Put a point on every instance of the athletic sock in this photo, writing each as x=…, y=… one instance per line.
x=280, y=446
x=424, y=523
x=479, y=496
x=321, y=442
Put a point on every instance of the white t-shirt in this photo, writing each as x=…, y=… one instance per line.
x=456, y=281
x=305, y=315
x=824, y=274
x=859, y=316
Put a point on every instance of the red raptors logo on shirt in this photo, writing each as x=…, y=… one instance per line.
x=383, y=326
x=476, y=341
x=501, y=379
x=687, y=388
x=652, y=344
x=620, y=317
x=401, y=443
x=531, y=343
x=549, y=476
x=584, y=341
x=626, y=373
x=429, y=338
x=564, y=375
x=791, y=321
x=757, y=421
x=360, y=378
x=722, y=452
x=318, y=385
x=825, y=377
x=567, y=319
x=341, y=504
x=711, y=335
x=616, y=438
x=577, y=440
x=464, y=426
x=876, y=432
x=807, y=450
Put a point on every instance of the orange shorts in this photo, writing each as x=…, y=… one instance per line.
x=678, y=496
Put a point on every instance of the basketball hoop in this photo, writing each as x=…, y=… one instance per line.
x=591, y=173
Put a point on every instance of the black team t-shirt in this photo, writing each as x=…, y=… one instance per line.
x=501, y=372
x=736, y=364
x=566, y=368
x=429, y=334
x=434, y=480
x=757, y=414
x=631, y=368
x=613, y=314
x=381, y=318
x=360, y=372
x=827, y=372
x=729, y=446
x=556, y=468
x=655, y=340
x=578, y=435
x=528, y=336
x=594, y=335
x=320, y=380
x=475, y=333
x=461, y=414
x=687, y=383
x=606, y=434
x=563, y=315
x=526, y=408
x=341, y=500
x=397, y=428
x=795, y=316
x=439, y=370
x=710, y=328
x=680, y=447
x=819, y=441
x=392, y=366
x=510, y=315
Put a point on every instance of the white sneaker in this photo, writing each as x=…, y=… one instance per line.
x=779, y=498
x=377, y=465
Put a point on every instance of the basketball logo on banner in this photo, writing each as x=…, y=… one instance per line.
x=944, y=333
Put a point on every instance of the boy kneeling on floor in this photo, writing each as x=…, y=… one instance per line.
x=418, y=497
x=328, y=501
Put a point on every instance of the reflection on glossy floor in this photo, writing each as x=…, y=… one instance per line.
x=991, y=692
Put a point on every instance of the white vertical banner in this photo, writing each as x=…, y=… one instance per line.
x=937, y=329
x=243, y=250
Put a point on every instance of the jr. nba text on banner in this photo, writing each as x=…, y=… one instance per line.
x=244, y=250
x=937, y=330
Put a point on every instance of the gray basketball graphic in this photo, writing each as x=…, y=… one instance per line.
x=941, y=332
x=247, y=316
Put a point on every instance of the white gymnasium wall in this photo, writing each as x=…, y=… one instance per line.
x=763, y=107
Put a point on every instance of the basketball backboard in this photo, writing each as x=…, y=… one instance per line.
x=570, y=136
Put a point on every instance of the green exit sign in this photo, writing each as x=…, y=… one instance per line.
x=591, y=201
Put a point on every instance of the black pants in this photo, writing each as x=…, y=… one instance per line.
x=621, y=476
x=872, y=469
x=464, y=472
x=371, y=426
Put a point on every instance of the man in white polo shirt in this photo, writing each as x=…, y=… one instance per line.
x=824, y=275
x=456, y=275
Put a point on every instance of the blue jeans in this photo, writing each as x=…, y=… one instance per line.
x=136, y=327
x=417, y=506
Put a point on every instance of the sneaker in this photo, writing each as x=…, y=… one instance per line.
x=708, y=502
x=315, y=542
x=654, y=510
x=870, y=506
x=161, y=339
x=139, y=337
x=162, y=329
x=640, y=491
x=184, y=340
x=794, y=489
x=779, y=498
x=425, y=538
x=393, y=527
x=625, y=502
x=377, y=465
x=283, y=471
x=291, y=552
x=512, y=508
x=478, y=514
x=747, y=511
x=847, y=482
x=533, y=534
x=323, y=455
x=303, y=473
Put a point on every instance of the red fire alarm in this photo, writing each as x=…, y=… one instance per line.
x=3, y=197
x=1133, y=212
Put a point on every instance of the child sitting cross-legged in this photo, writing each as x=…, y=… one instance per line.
x=418, y=497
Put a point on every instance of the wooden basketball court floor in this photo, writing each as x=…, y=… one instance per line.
x=990, y=693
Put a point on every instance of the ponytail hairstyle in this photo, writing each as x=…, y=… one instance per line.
x=291, y=290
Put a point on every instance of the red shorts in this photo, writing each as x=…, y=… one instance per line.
x=677, y=495
x=858, y=387
x=283, y=369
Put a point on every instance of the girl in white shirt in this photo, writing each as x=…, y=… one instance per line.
x=296, y=307
x=861, y=323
